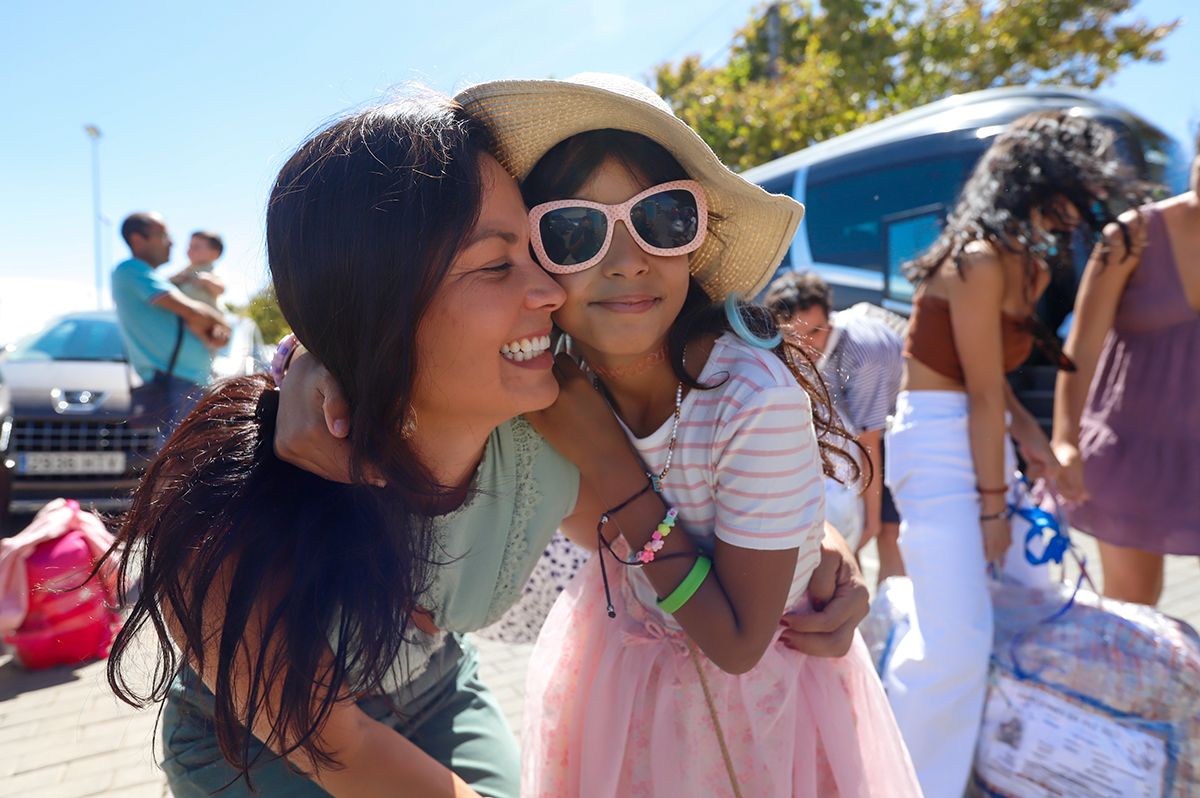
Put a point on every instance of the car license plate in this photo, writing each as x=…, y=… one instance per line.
x=71, y=463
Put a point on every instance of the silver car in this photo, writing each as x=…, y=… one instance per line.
x=69, y=385
x=65, y=433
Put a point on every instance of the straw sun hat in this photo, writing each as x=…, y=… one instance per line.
x=753, y=229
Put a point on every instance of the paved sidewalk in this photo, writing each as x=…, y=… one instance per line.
x=64, y=735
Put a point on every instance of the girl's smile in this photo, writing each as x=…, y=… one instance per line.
x=621, y=308
x=634, y=303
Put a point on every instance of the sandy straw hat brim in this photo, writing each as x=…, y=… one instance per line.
x=751, y=229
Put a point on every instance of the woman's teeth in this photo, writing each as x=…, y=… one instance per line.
x=526, y=348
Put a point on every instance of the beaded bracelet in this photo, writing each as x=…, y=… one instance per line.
x=648, y=552
x=283, y=353
x=687, y=588
x=651, y=547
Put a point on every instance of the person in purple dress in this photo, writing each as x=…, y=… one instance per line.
x=1127, y=423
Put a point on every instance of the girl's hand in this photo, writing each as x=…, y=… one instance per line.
x=997, y=537
x=580, y=425
x=313, y=421
x=840, y=600
x=1070, y=478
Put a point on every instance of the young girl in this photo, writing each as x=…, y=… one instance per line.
x=666, y=677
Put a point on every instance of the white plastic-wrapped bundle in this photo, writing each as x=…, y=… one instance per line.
x=1088, y=697
x=1101, y=698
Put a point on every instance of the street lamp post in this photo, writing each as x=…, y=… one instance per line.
x=93, y=133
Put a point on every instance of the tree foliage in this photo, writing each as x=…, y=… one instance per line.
x=263, y=308
x=844, y=63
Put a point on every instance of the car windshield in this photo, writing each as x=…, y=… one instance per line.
x=73, y=339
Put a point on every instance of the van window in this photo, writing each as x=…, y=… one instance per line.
x=908, y=235
x=845, y=214
x=1166, y=162
x=1153, y=155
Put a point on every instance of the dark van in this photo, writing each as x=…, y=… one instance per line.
x=878, y=196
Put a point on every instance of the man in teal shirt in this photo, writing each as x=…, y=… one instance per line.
x=169, y=337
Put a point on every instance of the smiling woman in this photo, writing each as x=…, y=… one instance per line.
x=327, y=618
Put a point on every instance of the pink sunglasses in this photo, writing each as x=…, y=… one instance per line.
x=571, y=235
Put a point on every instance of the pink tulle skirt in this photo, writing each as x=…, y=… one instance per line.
x=615, y=708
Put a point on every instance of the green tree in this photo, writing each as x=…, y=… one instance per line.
x=263, y=308
x=850, y=62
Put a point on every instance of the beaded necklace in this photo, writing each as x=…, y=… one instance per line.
x=656, y=479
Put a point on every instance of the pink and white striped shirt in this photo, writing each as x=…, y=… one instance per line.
x=746, y=469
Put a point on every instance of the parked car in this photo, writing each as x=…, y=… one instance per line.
x=70, y=395
x=67, y=432
x=878, y=196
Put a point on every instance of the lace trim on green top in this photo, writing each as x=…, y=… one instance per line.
x=513, y=566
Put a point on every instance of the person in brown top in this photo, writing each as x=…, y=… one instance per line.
x=950, y=459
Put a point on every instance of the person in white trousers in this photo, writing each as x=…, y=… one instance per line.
x=949, y=458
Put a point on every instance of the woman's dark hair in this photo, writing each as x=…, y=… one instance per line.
x=568, y=165
x=363, y=224
x=1039, y=159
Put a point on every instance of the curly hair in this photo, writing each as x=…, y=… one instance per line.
x=1040, y=159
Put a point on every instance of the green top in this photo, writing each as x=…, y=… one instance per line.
x=521, y=491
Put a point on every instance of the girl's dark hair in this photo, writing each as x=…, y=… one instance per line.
x=363, y=223
x=560, y=174
x=1040, y=157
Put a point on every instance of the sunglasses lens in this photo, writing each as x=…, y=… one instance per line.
x=668, y=219
x=572, y=235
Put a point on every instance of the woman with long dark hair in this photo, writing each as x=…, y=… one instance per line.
x=950, y=459
x=308, y=631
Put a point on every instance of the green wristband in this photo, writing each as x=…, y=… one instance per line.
x=688, y=587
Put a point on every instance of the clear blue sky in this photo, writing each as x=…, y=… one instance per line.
x=200, y=104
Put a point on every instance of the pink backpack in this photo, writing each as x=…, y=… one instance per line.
x=67, y=618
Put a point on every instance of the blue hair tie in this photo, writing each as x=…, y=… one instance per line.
x=738, y=324
x=1042, y=248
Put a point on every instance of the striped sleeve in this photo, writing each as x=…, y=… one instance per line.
x=874, y=367
x=769, y=486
